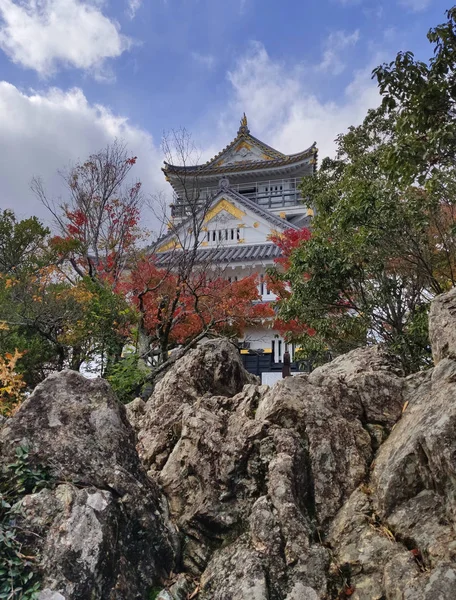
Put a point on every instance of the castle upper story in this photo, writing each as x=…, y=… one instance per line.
x=248, y=166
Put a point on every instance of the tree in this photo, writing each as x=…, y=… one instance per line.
x=98, y=235
x=99, y=222
x=21, y=243
x=180, y=294
x=422, y=97
x=56, y=322
x=11, y=383
x=378, y=252
x=181, y=312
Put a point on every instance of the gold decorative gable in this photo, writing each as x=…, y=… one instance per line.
x=224, y=205
x=243, y=144
x=171, y=245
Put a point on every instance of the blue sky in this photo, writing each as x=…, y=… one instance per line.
x=74, y=74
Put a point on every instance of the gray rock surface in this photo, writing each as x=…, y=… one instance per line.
x=335, y=485
x=101, y=533
x=442, y=331
x=213, y=369
x=254, y=479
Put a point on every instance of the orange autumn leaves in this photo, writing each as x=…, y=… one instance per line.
x=11, y=383
x=203, y=302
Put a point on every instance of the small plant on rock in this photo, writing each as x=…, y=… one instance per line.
x=19, y=575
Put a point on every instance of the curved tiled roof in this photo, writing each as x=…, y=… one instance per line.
x=228, y=254
x=243, y=165
x=277, y=159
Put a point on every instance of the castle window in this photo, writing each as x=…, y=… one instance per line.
x=238, y=234
x=232, y=234
x=214, y=233
x=208, y=236
x=247, y=191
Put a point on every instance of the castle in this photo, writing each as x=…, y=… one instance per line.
x=251, y=191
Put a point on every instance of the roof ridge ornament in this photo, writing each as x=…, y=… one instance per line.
x=243, y=129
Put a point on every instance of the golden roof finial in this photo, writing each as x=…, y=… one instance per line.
x=244, y=127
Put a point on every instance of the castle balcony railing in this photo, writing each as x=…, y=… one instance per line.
x=272, y=194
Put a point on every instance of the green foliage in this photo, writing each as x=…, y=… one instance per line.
x=374, y=260
x=56, y=320
x=154, y=592
x=127, y=378
x=21, y=242
x=19, y=575
x=423, y=97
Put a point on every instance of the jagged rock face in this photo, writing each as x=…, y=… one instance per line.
x=318, y=488
x=254, y=480
x=442, y=331
x=334, y=485
x=102, y=533
x=214, y=368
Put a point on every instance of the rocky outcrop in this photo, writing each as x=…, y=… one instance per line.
x=442, y=331
x=102, y=531
x=212, y=369
x=254, y=479
x=334, y=485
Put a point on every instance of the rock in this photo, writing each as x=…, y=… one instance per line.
x=301, y=592
x=252, y=478
x=235, y=573
x=77, y=427
x=442, y=332
x=376, y=378
x=104, y=532
x=372, y=359
x=337, y=446
x=363, y=547
x=135, y=411
x=338, y=484
x=419, y=453
x=213, y=368
x=48, y=594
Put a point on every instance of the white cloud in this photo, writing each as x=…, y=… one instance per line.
x=206, y=60
x=285, y=111
x=46, y=132
x=133, y=7
x=335, y=44
x=47, y=34
x=415, y=5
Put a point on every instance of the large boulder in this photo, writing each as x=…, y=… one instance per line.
x=213, y=368
x=254, y=479
x=102, y=531
x=442, y=330
x=395, y=536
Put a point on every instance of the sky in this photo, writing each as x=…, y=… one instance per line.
x=77, y=74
